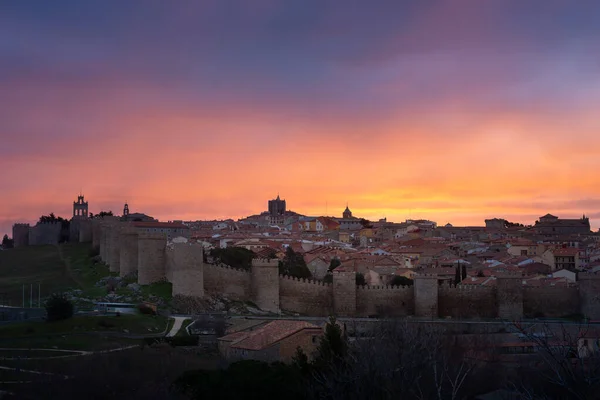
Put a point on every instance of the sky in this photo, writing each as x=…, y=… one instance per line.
x=454, y=111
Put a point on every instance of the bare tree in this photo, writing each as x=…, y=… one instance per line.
x=397, y=360
x=569, y=361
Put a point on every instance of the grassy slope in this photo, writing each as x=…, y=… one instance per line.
x=31, y=266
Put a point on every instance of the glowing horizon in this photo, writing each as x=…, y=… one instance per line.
x=197, y=111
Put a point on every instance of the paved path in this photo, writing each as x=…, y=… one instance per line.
x=176, y=326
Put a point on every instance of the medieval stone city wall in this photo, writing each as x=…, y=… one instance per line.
x=182, y=265
x=467, y=301
x=45, y=233
x=128, y=254
x=96, y=233
x=85, y=231
x=305, y=296
x=151, y=258
x=344, y=293
x=509, y=295
x=187, y=270
x=21, y=235
x=550, y=301
x=589, y=295
x=232, y=282
x=385, y=301
x=114, y=248
x=264, y=279
x=426, y=296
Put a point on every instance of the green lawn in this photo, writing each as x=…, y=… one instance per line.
x=159, y=289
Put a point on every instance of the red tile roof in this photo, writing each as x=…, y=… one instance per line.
x=567, y=251
x=267, y=335
x=165, y=225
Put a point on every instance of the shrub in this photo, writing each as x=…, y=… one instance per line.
x=146, y=309
x=360, y=279
x=58, y=307
x=94, y=251
x=401, y=281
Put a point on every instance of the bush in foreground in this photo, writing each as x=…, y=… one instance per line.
x=58, y=307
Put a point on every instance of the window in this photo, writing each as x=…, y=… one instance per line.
x=314, y=339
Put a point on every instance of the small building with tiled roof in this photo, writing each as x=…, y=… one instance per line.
x=274, y=341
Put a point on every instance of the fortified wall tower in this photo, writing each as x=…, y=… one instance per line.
x=344, y=292
x=589, y=294
x=265, y=284
x=426, y=296
x=151, y=258
x=21, y=235
x=185, y=260
x=128, y=255
x=510, y=296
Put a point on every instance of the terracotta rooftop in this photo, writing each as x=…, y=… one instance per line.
x=267, y=335
x=568, y=251
x=166, y=225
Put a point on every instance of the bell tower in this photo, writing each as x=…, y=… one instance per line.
x=80, y=207
x=126, y=210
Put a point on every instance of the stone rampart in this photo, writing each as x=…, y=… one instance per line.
x=45, y=233
x=128, y=254
x=21, y=235
x=187, y=274
x=151, y=258
x=509, y=295
x=85, y=231
x=467, y=301
x=551, y=301
x=589, y=294
x=305, y=296
x=96, y=233
x=384, y=301
x=426, y=296
x=265, y=284
x=114, y=247
x=344, y=293
x=231, y=282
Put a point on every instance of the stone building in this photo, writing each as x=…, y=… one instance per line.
x=277, y=211
x=80, y=227
x=275, y=341
x=550, y=225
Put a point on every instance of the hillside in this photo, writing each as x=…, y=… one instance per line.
x=49, y=268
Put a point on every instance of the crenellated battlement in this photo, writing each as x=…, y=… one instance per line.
x=426, y=276
x=384, y=287
x=304, y=280
x=228, y=268
x=21, y=225
x=265, y=262
x=448, y=286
